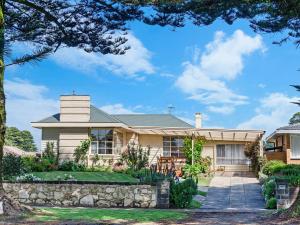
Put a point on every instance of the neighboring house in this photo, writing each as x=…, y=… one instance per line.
x=16, y=151
x=164, y=133
x=284, y=144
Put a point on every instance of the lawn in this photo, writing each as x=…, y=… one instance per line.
x=204, y=181
x=87, y=176
x=92, y=214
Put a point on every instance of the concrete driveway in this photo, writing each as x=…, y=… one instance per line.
x=234, y=191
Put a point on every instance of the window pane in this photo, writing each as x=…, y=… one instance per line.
x=108, y=151
x=101, y=151
x=295, y=146
x=94, y=147
x=108, y=144
x=166, y=138
x=166, y=144
x=94, y=134
x=180, y=142
x=101, y=144
x=174, y=143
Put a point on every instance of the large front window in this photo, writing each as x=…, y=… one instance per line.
x=173, y=146
x=102, y=141
x=295, y=146
x=231, y=154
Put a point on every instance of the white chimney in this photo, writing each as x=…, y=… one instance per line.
x=198, y=120
x=74, y=108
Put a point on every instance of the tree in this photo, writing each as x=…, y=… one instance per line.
x=100, y=25
x=47, y=25
x=21, y=139
x=266, y=16
x=295, y=119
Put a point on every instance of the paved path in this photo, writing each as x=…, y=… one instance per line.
x=238, y=191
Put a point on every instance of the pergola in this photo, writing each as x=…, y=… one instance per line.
x=209, y=134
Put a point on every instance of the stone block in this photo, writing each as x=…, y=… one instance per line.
x=87, y=201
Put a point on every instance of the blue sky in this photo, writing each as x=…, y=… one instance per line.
x=235, y=77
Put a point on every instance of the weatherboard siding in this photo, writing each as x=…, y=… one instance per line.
x=50, y=135
x=69, y=139
x=155, y=142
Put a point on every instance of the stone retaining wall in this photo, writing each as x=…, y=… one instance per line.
x=89, y=194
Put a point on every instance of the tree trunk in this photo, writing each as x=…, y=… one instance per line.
x=2, y=95
x=8, y=206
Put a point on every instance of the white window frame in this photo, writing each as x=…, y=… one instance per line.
x=105, y=142
x=170, y=146
x=292, y=147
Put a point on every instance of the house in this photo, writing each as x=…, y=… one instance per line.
x=164, y=133
x=284, y=144
x=16, y=151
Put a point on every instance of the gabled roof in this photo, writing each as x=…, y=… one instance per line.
x=99, y=116
x=152, y=120
x=133, y=120
x=290, y=129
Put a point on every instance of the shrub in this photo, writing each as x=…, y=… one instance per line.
x=35, y=164
x=252, y=151
x=69, y=165
x=80, y=153
x=273, y=166
x=181, y=194
x=198, y=146
x=49, y=153
x=271, y=203
x=192, y=170
x=12, y=166
x=118, y=167
x=136, y=157
x=269, y=189
x=28, y=177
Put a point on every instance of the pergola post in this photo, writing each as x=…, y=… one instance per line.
x=193, y=143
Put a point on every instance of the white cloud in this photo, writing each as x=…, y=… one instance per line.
x=116, y=109
x=274, y=111
x=261, y=85
x=224, y=56
x=226, y=110
x=25, y=103
x=136, y=60
x=205, y=78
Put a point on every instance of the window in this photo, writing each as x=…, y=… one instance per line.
x=295, y=146
x=102, y=141
x=173, y=146
x=231, y=154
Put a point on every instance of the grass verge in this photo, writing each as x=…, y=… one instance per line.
x=92, y=214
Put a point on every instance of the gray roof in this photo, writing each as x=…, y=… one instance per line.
x=290, y=127
x=152, y=120
x=141, y=120
x=99, y=116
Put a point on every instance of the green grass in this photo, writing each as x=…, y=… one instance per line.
x=203, y=193
x=88, y=176
x=195, y=205
x=92, y=214
x=204, y=181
